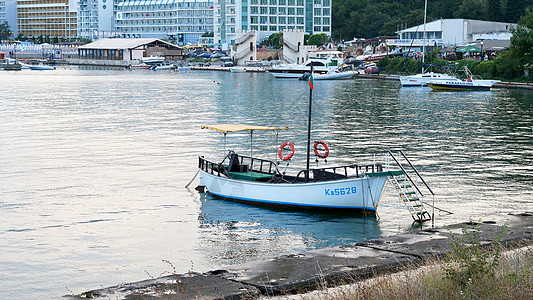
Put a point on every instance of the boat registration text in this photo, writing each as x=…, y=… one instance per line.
x=340, y=191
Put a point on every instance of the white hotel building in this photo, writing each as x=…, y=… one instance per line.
x=186, y=20
x=270, y=16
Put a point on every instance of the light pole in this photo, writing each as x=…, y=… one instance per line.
x=482, y=57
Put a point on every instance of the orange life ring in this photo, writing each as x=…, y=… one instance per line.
x=326, y=149
x=280, y=150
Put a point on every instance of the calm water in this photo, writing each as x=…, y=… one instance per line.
x=94, y=163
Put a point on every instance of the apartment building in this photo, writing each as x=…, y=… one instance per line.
x=95, y=18
x=270, y=16
x=53, y=18
x=186, y=20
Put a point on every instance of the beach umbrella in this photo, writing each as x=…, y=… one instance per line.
x=469, y=49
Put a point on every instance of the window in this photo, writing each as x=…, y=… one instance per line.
x=300, y=2
x=273, y=28
x=273, y=2
x=282, y=20
x=264, y=28
x=325, y=21
x=290, y=20
x=300, y=11
x=263, y=19
x=264, y=10
x=317, y=29
x=290, y=11
x=282, y=2
x=254, y=10
x=290, y=2
x=299, y=20
x=254, y=20
x=273, y=10
x=318, y=21
x=317, y=11
x=272, y=19
x=325, y=12
x=282, y=11
x=326, y=3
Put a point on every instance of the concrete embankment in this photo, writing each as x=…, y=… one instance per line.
x=297, y=273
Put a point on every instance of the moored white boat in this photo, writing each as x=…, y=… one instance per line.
x=345, y=188
x=295, y=71
x=335, y=75
x=462, y=85
x=41, y=67
x=423, y=78
x=163, y=67
x=237, y=70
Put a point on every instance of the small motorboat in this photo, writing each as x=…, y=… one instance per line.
x=471, y=83
x=41, y=67
x=163, y=67
x=335, y=75
x=237, y=70
x=462, y=85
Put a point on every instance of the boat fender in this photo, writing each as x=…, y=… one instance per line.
x=280, y=151
x=317, y=150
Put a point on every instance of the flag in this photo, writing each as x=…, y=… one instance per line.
x=469, y=79
x=311, y=80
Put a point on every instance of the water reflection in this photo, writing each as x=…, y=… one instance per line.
x=238, y=232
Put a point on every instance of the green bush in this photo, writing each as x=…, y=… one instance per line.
x=485, y=69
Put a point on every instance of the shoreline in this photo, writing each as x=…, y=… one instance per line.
x=313, y=270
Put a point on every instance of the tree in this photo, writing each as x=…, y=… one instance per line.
x=5, y=31
x=317, y=39
x=522, y=38
x=472, y=9
x=494, y=10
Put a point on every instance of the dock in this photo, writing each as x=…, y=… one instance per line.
x=312, y=270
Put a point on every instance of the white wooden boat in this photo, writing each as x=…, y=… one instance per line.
x=346, y=188
x=254, y=180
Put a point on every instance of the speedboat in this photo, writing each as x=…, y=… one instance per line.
x=42, y=67
x=462, y=85
x=471, y=83
x=163, y=67
x=152, y=60
x=331, y=75
x=423, y=78
x=344, y=188
x=237, y=70
x=320, y=66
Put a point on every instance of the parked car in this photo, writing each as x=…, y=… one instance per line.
x=204, y=55
x=226, y=61
x=218, y=55
x=372, y=70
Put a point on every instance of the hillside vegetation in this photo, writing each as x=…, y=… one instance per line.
x=370, y=18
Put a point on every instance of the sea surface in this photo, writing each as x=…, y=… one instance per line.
x=94, y=164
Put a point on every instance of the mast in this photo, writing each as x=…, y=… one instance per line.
x=311, y=87
x=424, y=41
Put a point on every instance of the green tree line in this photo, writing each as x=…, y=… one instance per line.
x=370, y=18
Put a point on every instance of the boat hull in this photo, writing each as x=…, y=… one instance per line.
x=356, y=194
x=335, y=75
x=457, y=85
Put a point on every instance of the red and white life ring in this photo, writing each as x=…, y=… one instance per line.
x=317, y=150
x=280, y=151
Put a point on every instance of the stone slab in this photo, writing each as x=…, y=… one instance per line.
x=321, y=268
x=179, y=286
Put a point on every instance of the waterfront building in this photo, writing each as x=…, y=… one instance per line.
x=269, y=16
x=95, y=18
x=51, y=18
x=128, y=49
x=184, y=20
x=451, y=32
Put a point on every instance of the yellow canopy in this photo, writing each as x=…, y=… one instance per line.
x=225, y=128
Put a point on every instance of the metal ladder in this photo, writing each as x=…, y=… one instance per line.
x=408, y=187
